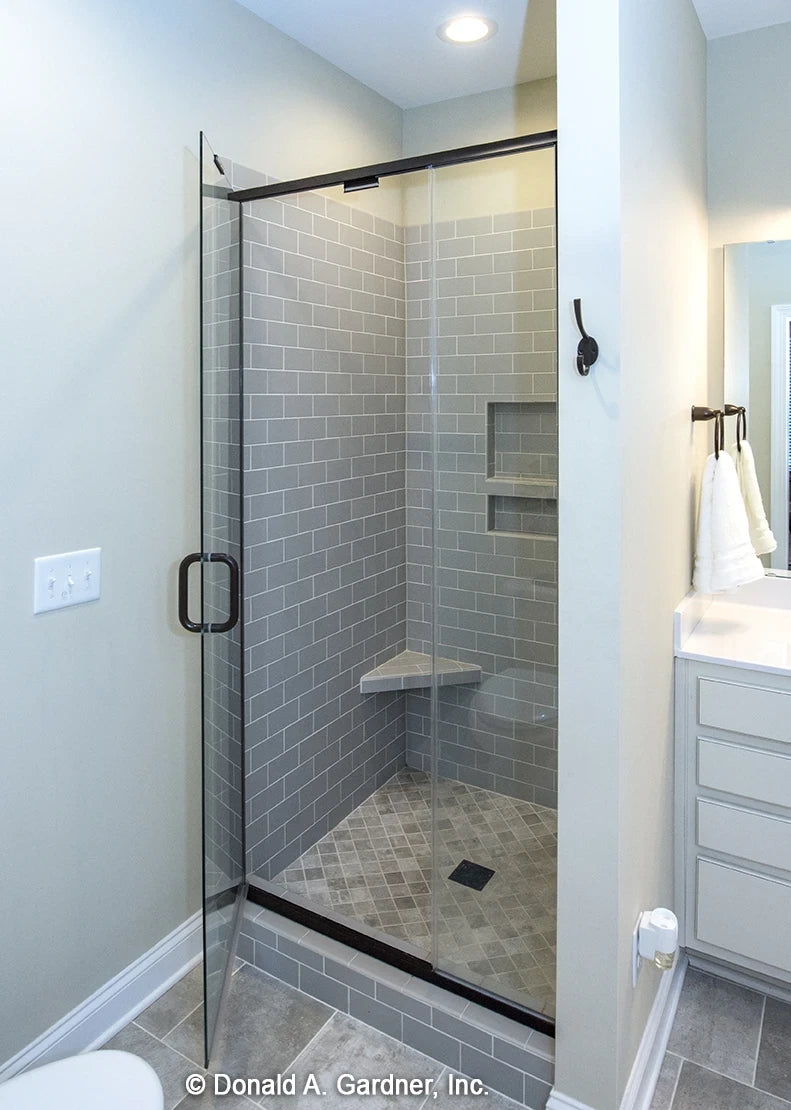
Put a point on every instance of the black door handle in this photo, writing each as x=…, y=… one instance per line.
x=184, y=568
x=212, y=557
x=233, y=567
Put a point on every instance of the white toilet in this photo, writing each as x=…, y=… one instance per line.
x=105, y=1080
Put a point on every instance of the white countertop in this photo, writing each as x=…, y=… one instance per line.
x=749, y=627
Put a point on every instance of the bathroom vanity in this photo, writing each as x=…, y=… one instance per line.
x=733, y=776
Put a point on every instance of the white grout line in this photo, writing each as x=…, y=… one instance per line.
x=177, y=1051
x=675, y=1084
x=430, y=1096
x=200, y=1065
x=189, y=1015
x=758, y=1045
x=738, y=1082
x=781, y=1102
x=318, y=1033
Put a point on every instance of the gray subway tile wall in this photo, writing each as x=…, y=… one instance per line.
x=497, y=554
x=324, y=335
x=521, y=514
x=338, y=507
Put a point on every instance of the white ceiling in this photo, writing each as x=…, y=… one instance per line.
x=731, y=17
x=392, y=45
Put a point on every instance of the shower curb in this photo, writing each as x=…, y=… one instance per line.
x=506, y=1055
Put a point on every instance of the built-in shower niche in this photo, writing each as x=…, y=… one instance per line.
x=529, y=516
x=521, y=467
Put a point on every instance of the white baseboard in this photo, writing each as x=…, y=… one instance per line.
x=117, y=1002
x=640, y=1088
x=645, y=1070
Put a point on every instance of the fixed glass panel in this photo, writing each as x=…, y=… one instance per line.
x=223, y=786
x=494, y=545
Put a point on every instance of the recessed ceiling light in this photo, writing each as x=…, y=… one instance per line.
x=466, y=29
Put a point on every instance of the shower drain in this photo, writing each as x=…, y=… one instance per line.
x=473, y=875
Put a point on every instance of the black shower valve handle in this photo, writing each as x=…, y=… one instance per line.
x=588, y=348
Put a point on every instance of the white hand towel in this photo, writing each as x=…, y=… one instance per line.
x=724, y=557
x=701, y=579
x=760, y=533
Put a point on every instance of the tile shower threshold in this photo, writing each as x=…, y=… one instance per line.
x=412, y=670
x=506, y=1055
x=320, y=930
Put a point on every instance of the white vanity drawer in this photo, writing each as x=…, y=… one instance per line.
x=743, y=832
x=745, y=913
x=736, y=769
x=739, y=707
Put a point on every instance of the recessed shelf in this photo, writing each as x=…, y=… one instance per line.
x=544, y=488
x=523, y=535
x=522, y=441
x=412, y=670
x=534, y=517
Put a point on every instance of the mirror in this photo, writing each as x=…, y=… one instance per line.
x=757, y=362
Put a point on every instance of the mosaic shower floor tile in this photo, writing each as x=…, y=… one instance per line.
x=374, y=868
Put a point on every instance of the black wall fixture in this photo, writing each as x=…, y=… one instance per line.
x=703, y=412
x=588, y=348
x=740, y=412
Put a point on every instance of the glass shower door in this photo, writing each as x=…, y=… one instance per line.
x=220, y=560
x=495, y=564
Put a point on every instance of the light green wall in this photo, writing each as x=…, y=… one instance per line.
x=632, y=244
x=482, y=118
x=664, y=232
x=502, y=185
x=102, y=105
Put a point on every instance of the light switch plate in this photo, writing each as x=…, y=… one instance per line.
x=68, y=579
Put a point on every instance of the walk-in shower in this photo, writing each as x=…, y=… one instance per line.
x=380, y=458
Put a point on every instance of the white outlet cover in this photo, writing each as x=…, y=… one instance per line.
x=71, y=578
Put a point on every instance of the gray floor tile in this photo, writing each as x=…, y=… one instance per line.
x=666, y=1083
x=174, y=1005
x=700, y=1089
x=169, y=1065
x=492, y=1101
x=209, y=1101
x=187, y=1037
x=773, y=1073
x=347, y=1046
x=717, y=1025
x=265, y=1024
